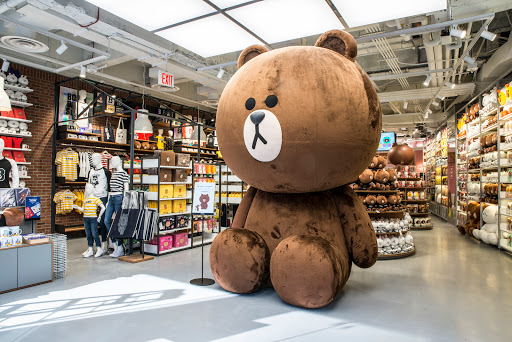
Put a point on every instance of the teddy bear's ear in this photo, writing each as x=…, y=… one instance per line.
x=249, y=53
x=340, y=42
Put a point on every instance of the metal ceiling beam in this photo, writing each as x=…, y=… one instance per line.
x=408, y=74
x=425, y=93
x=423, y=29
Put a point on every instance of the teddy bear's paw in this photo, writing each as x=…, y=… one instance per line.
x=240, y=259
x=307, y=271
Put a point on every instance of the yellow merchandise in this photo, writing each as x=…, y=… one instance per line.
x=180, y=191
x=166, y=190
x=179, y=206
x=91, y=205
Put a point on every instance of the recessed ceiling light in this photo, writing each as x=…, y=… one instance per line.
x=376, y=11
x=211, y=36
x=156, y=13
x=280, y=20
x=488, y=35
x=405, y=104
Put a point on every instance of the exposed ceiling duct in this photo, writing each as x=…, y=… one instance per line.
x=499, y=63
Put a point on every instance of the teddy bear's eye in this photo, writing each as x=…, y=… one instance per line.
x=271, y=101
x=250, y=103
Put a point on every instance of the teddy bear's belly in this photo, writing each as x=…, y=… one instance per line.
x=277, y=216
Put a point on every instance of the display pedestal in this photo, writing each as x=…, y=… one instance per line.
x=136, y=258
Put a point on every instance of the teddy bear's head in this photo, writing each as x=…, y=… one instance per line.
x=370, y=200
x=366, y=176
x=299, y=119
x=381, y=176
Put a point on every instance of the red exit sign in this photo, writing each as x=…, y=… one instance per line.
x=165, y=78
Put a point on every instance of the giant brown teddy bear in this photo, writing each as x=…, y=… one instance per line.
x=297, y=124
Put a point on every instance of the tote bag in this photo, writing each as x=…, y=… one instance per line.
x=121, y=133
x=108, y=132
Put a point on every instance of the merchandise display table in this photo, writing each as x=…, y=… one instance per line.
x=26, y=265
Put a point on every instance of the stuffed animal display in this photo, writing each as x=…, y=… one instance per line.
x=375, y=177
x=417, y=208
x=12, y=79
x=422, y=222
x=392, y=244
x=473, y=219
x=473, y=163
x=391, y=225
x=300, y=226
x=489, y=231
x=506, y=241
x=491, y=159
x=473, y=113
x=489, y=143
x=490, y=192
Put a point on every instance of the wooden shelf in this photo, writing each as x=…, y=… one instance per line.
x=416, y=201
x=419, y=214
x=410, y=179
x=92, y=142
x=392, y=233
x=422, y=228
x=386, y=212
x=413, y=188
x=376, y=191
x=81, y=133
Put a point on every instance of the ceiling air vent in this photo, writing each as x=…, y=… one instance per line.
x=24, y=44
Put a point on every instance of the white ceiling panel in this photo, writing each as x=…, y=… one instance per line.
x=375, y=11
x=154, y=14
x=211, y=36
x=281, y=20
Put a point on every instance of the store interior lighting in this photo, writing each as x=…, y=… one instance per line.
x=435, y=103
x=221, y=73
x=455, y=32
x=450, y=85
x=83, y=71
x=63, y=47
x=142, y=123
x=406, y=104
x=469, y=60
x=440, y=97
x=376, y=11
x=5, y=65
x=488, y=35
x=427, y=80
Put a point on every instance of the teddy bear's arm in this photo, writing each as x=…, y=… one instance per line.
x=357, y=227
x=243, y=208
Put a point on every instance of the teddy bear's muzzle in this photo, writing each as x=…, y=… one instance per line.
x=262, y=135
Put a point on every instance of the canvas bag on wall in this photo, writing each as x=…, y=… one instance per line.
x=121, y=133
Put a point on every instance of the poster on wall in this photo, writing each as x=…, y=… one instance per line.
x=68, y=106
x=204, y=197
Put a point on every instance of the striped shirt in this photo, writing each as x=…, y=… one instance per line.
x=119, y=178
x=67, y=161
x=91, y=205
x=105, y=158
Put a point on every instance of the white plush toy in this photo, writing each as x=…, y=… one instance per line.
x=489, y=231
x=12, y=79
x=23, y=81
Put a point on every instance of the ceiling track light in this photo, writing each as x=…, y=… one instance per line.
x=406, y=104
x=435, y=103
x=221, y=73
x=469, y=60
x=455, y=32
x=63, y=47
x=440, y=97
x=83, y=71
x=488, y=35
x=5, y=65
x=427, y=80
x=450, y=84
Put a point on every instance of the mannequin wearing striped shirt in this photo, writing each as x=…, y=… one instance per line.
x=118, y=185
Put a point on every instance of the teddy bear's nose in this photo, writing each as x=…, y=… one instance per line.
x=257, y=117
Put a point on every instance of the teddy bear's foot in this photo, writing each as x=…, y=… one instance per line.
x=306, y=271
x=240, y=259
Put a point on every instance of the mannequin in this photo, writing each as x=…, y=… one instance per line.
x=8, y=166
x=99, y=177
x=91, y=220
x=83, y=122
x=169, y=141
x=118, y=184
x=160, y=140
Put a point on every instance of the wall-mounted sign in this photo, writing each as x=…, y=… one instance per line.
x=165, y=79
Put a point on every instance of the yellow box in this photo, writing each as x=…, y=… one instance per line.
x=179, y=206
x=180, y=190
x=166, y=190
x=166, y=207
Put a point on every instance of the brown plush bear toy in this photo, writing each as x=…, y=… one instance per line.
x=381, y=162
x=370, y=200
x=393, y=200
x=393, y=176
x=366, y=176
x=381, y=176
x=300, y=226
x=373, y=163
x=382, y=200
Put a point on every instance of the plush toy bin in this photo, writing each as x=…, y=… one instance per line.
x=164, y=242
x=180, y=240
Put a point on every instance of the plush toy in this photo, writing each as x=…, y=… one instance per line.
x=370, y=200
x=489, y=231
x=373, y=163
x=393, y=176
x=381, y=162
x=366, y=176
x=393, y=199
x=298, y=236
x=473, y=219
x=382, y=200
x=381, y=176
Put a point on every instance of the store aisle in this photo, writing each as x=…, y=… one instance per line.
x=452, y=290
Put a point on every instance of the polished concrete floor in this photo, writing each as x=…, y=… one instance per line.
x=452, y=289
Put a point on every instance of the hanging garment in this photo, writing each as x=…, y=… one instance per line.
x=5, y=170
x=68, y=161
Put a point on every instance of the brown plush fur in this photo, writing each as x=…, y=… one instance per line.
x=299, y=208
